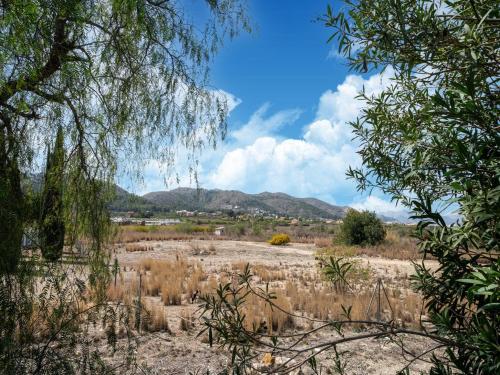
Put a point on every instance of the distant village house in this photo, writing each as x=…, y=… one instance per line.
x=219, y=231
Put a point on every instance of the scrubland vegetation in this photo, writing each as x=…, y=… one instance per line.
x=398, y=242
x=302, y=295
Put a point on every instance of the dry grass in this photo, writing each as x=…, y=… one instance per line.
x=128, y=234
x=155, y=319
x=116, y=293
x=238, y=266
x=166, y=278
x=309, y=295
x=173, y=281
x=322, y=242
x=320, y=301
x=186, y=320
x=195, y=279
x=298, y=289
x=265, y=273
x=268, y=273
x=210, y=286
x=260, y=316
x=394, y=246
x=197, y=249
x=131, y=248
x=171, y=293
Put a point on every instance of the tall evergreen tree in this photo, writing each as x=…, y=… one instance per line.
x=11, y=208
x=52, y=220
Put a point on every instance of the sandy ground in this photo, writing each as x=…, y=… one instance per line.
x=183, y=353
x=228, y=252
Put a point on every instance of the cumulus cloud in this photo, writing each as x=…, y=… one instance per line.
x=326, y=133
x=256, y=157
x=293, y=166
x=313, y=165
x=341, y=105
x=381, y=206
x=259, y=125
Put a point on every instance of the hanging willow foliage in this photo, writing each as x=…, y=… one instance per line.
x=117, y=82
x=11, y=209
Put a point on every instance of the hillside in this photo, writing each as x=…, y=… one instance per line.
x=215, y=200
x=125, y=201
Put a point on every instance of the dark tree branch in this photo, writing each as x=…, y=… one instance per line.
x=57, y=55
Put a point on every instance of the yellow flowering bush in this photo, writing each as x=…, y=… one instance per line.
x=279, y=239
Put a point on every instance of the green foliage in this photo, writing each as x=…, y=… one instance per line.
x=118, y=82
x=52, y=226
x=362, y=228
x=12, y=205
x=191, y=228
x=239, y=229
x=257, y=229
x=279, y=239
x=336, y=271
x=431, y=141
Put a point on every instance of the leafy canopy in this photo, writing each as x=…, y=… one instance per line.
x=362, y=228
x=431, y=140
x=124, y=81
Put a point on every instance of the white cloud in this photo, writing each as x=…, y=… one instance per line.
x=256, y=157
x=341, y=105
x=381, y=206
x=313, y=165
x=325, y=133
x=294, y=166
x=259, y=125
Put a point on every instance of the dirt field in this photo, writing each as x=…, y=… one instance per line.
x=180, y=351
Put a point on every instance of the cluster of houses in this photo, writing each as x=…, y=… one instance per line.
x=120, y=220
x=186, y=213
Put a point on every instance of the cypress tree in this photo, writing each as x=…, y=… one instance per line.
x=52, y=221
x=11, y=209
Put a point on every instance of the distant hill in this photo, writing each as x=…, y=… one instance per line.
x=125, y=201
x=216, y=200
x=192, y=199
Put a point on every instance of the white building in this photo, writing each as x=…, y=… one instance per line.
x=219, y=231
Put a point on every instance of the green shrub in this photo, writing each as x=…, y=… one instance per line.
x=279, y=239
x=189, y=228
x=240, y=229
x=236, y=230
x=257, y=229
x=362, y=228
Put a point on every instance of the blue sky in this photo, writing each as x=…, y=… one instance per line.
x=291, y=98
x=283, y=62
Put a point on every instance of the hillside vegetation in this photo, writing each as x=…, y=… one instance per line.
x=223, y=200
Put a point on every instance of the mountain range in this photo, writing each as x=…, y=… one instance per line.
x=192, y=199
